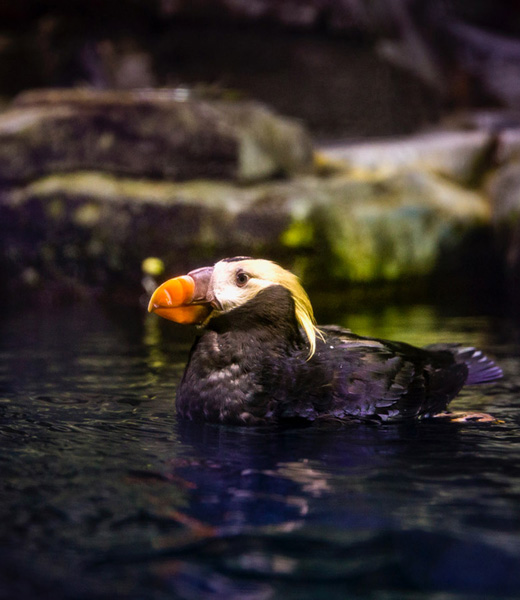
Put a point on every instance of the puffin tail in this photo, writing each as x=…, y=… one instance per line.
x=481, y=369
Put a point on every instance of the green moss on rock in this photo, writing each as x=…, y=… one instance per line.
x=97, y=229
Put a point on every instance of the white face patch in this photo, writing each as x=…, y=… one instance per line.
x=226, y=289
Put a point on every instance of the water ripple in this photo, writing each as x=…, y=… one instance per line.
x=101, y=484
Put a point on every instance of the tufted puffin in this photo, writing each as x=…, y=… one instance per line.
x=261, y=359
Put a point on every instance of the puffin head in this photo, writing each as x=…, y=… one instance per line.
x=209, y=292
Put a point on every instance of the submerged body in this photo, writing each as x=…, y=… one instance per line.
x=260, y=359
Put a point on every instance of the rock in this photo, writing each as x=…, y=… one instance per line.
x=149, y=133
x=504, y=191
x=457, y=155
x=396, y=228
x=92, y=232
x=508, y=146
x=87, y=233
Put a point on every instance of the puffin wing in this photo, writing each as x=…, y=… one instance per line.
x=388, y=380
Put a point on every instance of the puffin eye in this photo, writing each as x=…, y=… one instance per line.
x=241, y=278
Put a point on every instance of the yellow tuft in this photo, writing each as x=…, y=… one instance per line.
x=303, y=310
x=302, y=304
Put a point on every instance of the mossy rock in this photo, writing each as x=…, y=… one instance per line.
x=149, y=133
x=398, y=227
x=92, y=231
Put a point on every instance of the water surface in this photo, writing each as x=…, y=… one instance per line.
x=105, y=494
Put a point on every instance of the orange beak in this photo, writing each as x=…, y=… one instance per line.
x=183, y=299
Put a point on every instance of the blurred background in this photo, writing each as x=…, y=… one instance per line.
x=370, y=146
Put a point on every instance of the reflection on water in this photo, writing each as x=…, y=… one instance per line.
x=106, y=495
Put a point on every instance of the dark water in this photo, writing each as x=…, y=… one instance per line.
x=104, y=494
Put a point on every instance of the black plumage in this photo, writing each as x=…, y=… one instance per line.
x=253, y=364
